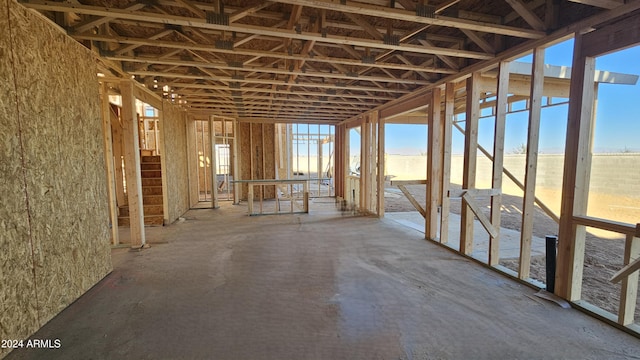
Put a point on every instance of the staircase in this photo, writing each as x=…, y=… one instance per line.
x=151, y=173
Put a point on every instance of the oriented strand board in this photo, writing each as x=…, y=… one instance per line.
x=18, y=315
x=257, y=155
x=57, y=107
x=175, y=148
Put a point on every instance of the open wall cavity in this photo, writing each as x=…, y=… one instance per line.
x=307, y=152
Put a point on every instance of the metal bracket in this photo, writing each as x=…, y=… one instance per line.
x=224, y=44
x=368, y=59
x=391, y=39
x=427, y=11
x=215, y=18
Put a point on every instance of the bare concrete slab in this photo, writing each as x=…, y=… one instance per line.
x=327, y=285
x=509, y=239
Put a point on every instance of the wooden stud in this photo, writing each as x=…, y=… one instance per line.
x=533, y=139
x=372, y=159
x=470, y=160
x=515, y=180
x=575, y=186
x=363, y=162
x=449, y=100
x=163, y=163
x=192, y=161
x=236, y=165
x=434, y=165
x=109, y=163
x=117, y=138
x=132, y=164
x=498, y=159
x=381, y=165
x=629, y=292
x=214, y=163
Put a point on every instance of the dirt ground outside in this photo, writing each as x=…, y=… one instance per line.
x=604, y=250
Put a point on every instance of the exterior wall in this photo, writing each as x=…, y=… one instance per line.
x=176, y=159
x=54, y=218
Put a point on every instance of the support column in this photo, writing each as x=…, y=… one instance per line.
x=118, y=151
x=132, y=164
x=533, y=139
x=449, y=99
x=575, y=187
x=364, y=162
x=381, y=166
x=161, y=150
x=470, y=160
x=109, y=163
x=498, y=159
x=435, y=155
x=192, y=162
x=214, y=163
x=372, y=174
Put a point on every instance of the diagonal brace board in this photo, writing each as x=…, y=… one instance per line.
x=412, y=200
x=484, y=220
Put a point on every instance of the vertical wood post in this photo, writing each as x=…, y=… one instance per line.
x=118, y=151
x=132, y=164
x=449, y=99
x=364, y=162
x=470, y=160
x=214, y=163
x=109, y=164
x=435, y=155
x=161, y=150
x=629, y=292
x=381, y=165
x=533, y=139
x=236, y=167
x=192, y=161
x=498, y=159
x=373, y=165
x=575, y=186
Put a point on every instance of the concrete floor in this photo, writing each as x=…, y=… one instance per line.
x=222, y=285
x=509, y=239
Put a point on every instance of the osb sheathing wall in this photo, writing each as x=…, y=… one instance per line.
x=257, y=155
x=175, y=145
x=54, y=220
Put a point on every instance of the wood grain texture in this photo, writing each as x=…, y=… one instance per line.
x=244, y=153
x=56, y=105
x=18, y=314
x=175, y=145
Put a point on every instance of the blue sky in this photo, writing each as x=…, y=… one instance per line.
x=617, y=124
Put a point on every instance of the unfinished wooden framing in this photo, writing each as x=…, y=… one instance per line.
x=304, y=68
x=110, y=163
x=132, y=164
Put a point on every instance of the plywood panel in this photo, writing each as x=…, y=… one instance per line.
x=256, y=151
x=176, y=159
x=18, y=316
x=58, y=108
